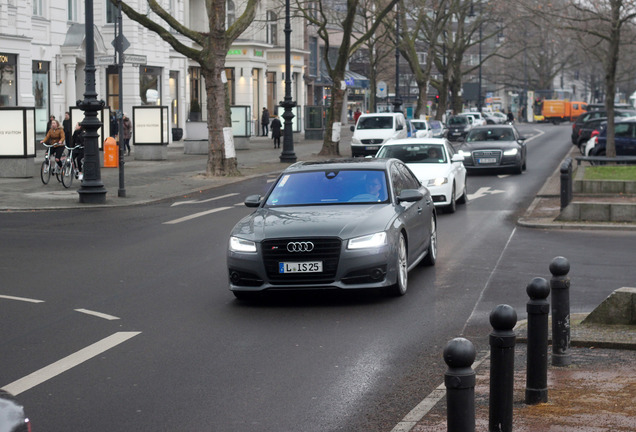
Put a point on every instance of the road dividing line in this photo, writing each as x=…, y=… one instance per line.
x=61, y=366
x=195, y=215
x=24, y=299
x=203, y=201
x=97, y=314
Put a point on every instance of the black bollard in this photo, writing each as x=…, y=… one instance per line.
x=538, y=309
x=502, y=368
x=560, y=288
x=459, y=355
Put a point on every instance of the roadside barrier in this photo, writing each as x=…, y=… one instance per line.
x=538, y=309
x=459, y=355
x=566, y=182
x=560, y=289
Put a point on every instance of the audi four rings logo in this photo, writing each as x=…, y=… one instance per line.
x=300, y=247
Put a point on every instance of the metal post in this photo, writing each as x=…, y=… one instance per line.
x=566, y=182
x=397, y=102
x=560, y=288
x=288, y=155
x=459, y=355
x=502, y=368
x=538, y=309
x=121, y=192
x=92, y=190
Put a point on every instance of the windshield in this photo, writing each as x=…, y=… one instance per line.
x=379, y=122
x=414, y=153
x=458, y=121
x=329, y=187
x=418, y=124
x=490, y=134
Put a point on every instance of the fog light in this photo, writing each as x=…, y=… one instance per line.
x=377, y=274
x=235, y=277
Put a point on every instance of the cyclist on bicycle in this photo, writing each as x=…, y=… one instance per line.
x=78, y=152
x=55, y=137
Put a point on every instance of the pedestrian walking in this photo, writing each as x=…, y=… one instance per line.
x=68, y=131
x=356, y=115
x=127, y=125
x=78, y=153
x=265, y=121
x=276, y=126
x=48, y=123
x=114, y=125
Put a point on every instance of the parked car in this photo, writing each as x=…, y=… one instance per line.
x=587, y=129
x=495, y=117
x=458, y=127
x=436, y=165
x=591, y=115
x=498, y=146
x=373, y=130
x=12, y=415
x=438, y=129
x=347, y=224
x=423, y=128
x=478, y=119
x=624, y=138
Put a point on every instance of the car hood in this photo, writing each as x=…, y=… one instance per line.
x=427, y=171
x=484, y=145
x=384, y=134
x=344, y=221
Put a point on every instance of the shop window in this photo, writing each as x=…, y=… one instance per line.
x=174, y=97
x=150, y=85
x=112, y=88
x=271, y=90
x=8, y=83
x=195, y=94
x=229, y=73
x=40, y=79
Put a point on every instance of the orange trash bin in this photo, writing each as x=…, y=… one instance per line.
x=111, y=153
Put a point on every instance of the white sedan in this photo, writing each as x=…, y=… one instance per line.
x=435, y=164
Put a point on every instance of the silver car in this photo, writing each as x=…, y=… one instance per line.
x=494, y=146
x=349, y=224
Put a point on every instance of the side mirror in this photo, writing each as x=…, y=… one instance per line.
x=352, y=128
x=457, y=158
x=252, y=201
x=410, y=195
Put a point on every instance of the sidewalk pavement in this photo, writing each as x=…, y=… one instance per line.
x=596, y=393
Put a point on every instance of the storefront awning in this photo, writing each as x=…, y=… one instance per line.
x=352, y=79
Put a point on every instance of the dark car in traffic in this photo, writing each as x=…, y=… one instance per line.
x=592, y=115
x=589, y=128
x=347, y=224
x=458, y=127
x=494, y=147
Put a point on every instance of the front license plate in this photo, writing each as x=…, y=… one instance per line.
x=372, y=147
x=456, y=133
x=300, y=267
x=487, y=160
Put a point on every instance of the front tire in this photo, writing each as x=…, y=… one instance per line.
x=464, y=198
x=431, y=254
x=452, y=206
x=45, y=171
x=67, y=174
x=401, y=283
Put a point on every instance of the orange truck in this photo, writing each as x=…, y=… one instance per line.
x=557, y=111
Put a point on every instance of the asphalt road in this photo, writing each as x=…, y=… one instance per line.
x=129, y=324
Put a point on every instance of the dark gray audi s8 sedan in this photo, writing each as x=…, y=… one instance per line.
x=346, y=224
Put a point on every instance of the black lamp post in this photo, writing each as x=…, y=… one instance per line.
x=288, y=154
x=92, y=190
x=397, y=102
x=121, y=192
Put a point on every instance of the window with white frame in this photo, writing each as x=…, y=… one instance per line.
x=72, y=10
x=37, y=7
x=230, y=13
x=272, y=28
x=111, y=12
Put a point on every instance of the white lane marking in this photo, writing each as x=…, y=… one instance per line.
x=203, y=201
x=97, y=314
x=416, y=414
x=483, y=191
x=196, y=215
x=67, y=363
x=24, y=299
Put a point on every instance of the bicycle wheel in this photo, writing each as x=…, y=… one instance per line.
x=45, y=171
x=67, y=174
x=58, y=172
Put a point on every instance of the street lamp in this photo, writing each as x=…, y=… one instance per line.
x=92, y=190
x=473, y=15
x=288, y=155
x=397, y=102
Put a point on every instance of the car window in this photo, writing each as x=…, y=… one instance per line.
x=379, y=122
x=328, y=187
x=459, y=121
x=490, y=134
x=414, y=153
x=408, y=178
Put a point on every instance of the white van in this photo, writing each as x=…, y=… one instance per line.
x=374, y=129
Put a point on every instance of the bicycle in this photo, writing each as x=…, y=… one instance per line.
x=69, y=167
x=46, y=169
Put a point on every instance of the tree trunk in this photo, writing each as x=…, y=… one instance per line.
x=217, y=164
x=330, y=147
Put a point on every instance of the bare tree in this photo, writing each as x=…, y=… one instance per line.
x=336, y=22
x=209, y=50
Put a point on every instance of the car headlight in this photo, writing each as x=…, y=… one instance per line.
x=367, y=241
x=438, y=181
x=466, y=129
x=511, y=152
x=355, y=141
x=242, y=245
x=464, y=153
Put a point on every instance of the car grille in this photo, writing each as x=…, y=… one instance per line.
x=487, y=157
x=372, y=141
x=326, y=250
